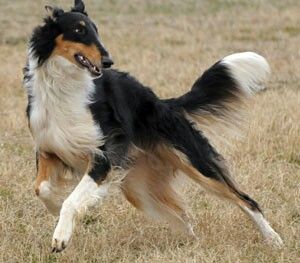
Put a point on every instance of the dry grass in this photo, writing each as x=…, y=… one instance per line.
x=165, y=44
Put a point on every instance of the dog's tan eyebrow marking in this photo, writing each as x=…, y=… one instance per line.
x=82, y=23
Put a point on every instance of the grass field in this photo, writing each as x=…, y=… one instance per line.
x=163, y=42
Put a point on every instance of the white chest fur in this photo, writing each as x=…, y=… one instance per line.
x=60, y=120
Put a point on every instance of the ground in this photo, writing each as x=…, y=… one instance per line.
x=166, y=45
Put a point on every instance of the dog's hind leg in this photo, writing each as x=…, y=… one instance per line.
x=149, y=187
x=192, y=153
x=233, y=194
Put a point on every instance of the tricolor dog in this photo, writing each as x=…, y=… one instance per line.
x=88, y=120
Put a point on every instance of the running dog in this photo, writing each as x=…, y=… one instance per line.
x=88, y=121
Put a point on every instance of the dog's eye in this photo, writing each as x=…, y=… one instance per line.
x=79, y=30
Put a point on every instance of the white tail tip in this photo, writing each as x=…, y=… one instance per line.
x=249, y=69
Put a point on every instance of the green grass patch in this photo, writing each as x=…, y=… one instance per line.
x=5, y=193
x=292, y=30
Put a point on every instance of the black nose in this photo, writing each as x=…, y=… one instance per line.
x=107, y=62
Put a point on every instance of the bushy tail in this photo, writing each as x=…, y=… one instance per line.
x=216, y=98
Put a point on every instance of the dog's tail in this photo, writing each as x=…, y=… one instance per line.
x=217, y=96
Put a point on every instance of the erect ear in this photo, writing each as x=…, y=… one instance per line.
x=53, y=12
x=78, y=6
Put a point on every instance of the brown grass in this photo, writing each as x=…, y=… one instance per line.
x=165, y=44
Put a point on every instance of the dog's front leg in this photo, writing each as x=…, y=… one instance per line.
x=92, y=188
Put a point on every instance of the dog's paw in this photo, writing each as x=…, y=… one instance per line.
x=273, y=239
x=62, y=235
x=58, y=245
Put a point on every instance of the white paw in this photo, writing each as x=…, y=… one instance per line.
x=273, y=239
x=62, y=234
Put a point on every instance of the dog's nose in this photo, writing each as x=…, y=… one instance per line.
x=107, y=62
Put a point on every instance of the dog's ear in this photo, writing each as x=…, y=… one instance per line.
x=53, y=12
x=79, y=7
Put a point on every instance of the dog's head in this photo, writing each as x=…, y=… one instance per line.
x=73, y=36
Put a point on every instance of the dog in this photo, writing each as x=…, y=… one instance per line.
x=90, y=122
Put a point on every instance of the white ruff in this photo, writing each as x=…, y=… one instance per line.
x=60, y=120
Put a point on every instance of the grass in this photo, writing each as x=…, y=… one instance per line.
x=163, y=42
